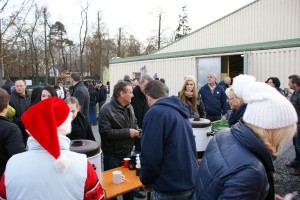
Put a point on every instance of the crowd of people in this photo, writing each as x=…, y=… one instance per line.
x=142, y=119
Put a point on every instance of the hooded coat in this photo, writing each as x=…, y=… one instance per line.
x=169, y=155
x=236, y=165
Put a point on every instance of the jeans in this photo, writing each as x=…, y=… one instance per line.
x=92, y=115
x=111, y=162
x=296, y=143
x=183, y=195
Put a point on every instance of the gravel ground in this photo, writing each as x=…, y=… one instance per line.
x=284, y=182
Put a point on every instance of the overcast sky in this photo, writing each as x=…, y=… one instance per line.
x=140, y=17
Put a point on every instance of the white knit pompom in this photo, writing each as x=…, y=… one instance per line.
x=62, y=163
x=241, y=82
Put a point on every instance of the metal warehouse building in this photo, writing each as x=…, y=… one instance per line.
x=260, y=39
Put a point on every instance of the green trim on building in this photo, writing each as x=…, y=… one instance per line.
x=218, y=50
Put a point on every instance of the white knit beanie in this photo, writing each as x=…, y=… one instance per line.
x=266, y=108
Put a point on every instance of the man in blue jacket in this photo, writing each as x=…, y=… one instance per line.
x=168, y=154
x=214, y=99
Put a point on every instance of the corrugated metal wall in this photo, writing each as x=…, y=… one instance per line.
x=261, y=21
x=172, y=70
x=277, y=62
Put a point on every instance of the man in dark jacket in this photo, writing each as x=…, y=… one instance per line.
x=117, y=128
x=140, y=106
x=11, y=141
x=81, y=93
x=294, y=84
x=7, y=84
x=20, y=101
x=168, y=158
x=102, y=94
x=214, y=99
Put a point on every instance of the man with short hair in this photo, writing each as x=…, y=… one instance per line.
x=7, y=84
x=225, y=83
x=81, y=93
x=168, y=155
x=294, y=84
x=140, y=106
x=118, y=128
x=20, y=101
x=214, y=99
x=11, y=139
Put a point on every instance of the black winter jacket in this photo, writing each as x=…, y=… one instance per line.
x=8, y=86
x=114, y=124
x=11, y=141
x=140, y=106
x=81, y=129
x=82, y=94
x=20, y=104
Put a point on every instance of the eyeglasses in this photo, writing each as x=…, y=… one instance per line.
x=210, y=77
x=229, y=99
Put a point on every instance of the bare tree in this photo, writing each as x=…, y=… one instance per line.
x=11, y=26
x=84, y=23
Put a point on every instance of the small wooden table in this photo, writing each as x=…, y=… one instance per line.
x=112, y=190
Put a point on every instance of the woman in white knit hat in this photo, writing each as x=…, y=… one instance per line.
x=237, y=163
x=49, y=170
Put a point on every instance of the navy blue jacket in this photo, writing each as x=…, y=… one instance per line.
x=236, y=165
x=168, y=156
x=215, y=104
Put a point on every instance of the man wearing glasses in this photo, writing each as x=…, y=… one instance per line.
x=214, y=99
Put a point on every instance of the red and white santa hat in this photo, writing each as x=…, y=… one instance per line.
x=42, y=121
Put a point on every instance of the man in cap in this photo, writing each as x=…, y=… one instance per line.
x=49, y=170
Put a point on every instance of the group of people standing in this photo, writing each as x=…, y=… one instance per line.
x=48, y=124
x=237, y=163
x=256, y=120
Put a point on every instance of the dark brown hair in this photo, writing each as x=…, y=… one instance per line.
x=120, y=86
x=155, y=89
x=295, y=79
x=4, y=99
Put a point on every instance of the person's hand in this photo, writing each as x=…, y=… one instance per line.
x=134, y=133
x=223, y=117
x=147, y=188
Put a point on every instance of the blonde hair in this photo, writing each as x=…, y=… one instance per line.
x=273, y=138
x=72, y=100
x=230, y=94
x=182, y=97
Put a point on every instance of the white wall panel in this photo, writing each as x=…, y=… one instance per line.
x=172, y=70
x=261, y=21
x=277, y=62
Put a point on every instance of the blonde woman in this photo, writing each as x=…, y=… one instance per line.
x=190, y=97
x=237, y=106
x=238, y=162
